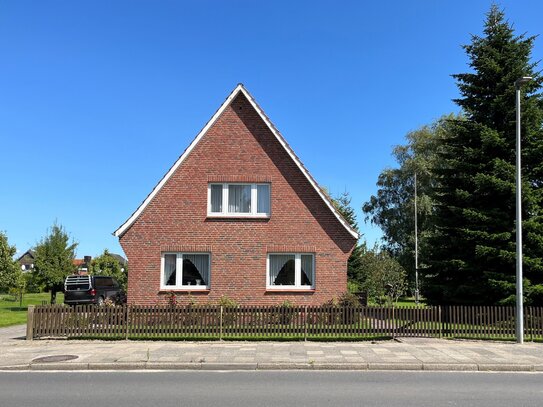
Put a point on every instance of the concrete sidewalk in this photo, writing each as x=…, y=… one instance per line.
x=405, y=354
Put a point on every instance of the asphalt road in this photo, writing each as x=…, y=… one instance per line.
x=261, y=388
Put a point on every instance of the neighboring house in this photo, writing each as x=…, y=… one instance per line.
x=82, y=266
x=237, y=215
x=122, y=261
x=26, y=261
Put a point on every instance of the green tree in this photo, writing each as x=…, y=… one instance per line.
x=108, y=265
x=20, y=286
x=343, y=204
x=382, y=277
x=54, y=259
x=473, y=248
x=9, y=269
x=372, y=271
x=393, y=207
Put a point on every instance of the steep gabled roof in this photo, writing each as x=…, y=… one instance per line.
x=29, y=252
x=239, y=89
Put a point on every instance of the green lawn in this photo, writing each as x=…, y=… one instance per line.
x=406, y=302
x=409, y=302
x=12, y=314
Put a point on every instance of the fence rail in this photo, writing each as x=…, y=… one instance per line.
x=309, y=322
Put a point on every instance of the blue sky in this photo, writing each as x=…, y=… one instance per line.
x=99, y=98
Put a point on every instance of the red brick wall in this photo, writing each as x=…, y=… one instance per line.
x=238, y=147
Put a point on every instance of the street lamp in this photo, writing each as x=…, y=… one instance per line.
x=416, y=247
x=520, y=311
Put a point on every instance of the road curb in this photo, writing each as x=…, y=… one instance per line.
x=451, y=367
x=395, y=366
x=173, y=366
x=493, y=367
x=118, y=366
x=229, y=366
x=429, y=367
x=284, y=366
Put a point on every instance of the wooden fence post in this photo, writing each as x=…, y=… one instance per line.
x=220, y=325
x=393, y=323
x=305, y=323
x=30, y=323
x=440, y=322
x=529, y=321
x=127, y=321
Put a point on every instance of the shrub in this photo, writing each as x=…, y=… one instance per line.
x=110, y=303
x=348, y=299
x=338, y=310
x=226, y=301
x=172, y=299
x=281, y=314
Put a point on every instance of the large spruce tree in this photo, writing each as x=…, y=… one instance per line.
x=472, y=253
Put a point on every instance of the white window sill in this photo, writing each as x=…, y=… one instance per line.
x=284, y=288
x=237, y=216
x=185, y=288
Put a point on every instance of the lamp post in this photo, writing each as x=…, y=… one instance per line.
x=416, y=247
x=520, y=311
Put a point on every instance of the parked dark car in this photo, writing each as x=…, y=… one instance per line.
x=92, y=290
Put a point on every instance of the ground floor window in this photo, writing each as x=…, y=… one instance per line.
x=185, y=270
x=290, y=270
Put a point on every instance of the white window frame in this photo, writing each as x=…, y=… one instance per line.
x=179, y=273
x=297, y=273
x=254, y=201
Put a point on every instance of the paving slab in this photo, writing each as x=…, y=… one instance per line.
x=404, y=354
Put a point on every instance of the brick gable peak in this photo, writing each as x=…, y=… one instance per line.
x=238, y=89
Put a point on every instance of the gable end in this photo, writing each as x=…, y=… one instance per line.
x=239, y=89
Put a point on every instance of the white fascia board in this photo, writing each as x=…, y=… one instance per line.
x=174, y=167
x=239, y=88
x=304, y=171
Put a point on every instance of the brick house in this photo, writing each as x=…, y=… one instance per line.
x=237, y=215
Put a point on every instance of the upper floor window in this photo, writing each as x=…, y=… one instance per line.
x=238, y=200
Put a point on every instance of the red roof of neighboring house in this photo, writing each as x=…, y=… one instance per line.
x=78, y=262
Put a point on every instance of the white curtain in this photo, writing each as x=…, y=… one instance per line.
x=307, y=269
x=282, y=273
x=263, y=198
x=201, y=263
x=169, y=269
x=239, y=198
x=216, y=198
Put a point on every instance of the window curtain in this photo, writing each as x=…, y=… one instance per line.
x=195, y=269
x=216, y=198
x=307, y=270
x=263, y=198
x=282, y=269
x=239, y=198
x=170, y=269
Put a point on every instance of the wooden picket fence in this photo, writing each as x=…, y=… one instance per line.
x=295, y=323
